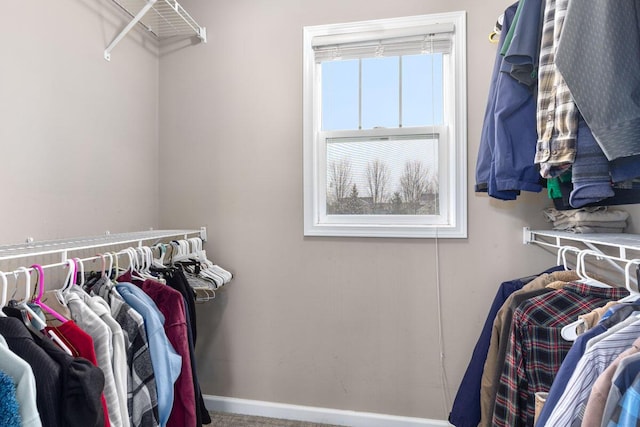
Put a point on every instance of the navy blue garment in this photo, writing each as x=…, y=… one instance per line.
x=524, y=50
x=484, y=163
x=516, y=135
x=466, y=406
x=623, y=196
x=509, y=133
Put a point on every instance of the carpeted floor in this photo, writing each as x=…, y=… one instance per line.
x=222, y=419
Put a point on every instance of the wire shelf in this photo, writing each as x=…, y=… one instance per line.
x=166, y=18
x=63, y=246
x=162, y=18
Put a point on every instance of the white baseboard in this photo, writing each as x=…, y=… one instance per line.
x=313, y=414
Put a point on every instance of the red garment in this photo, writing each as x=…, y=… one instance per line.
x=81, y=345
x=171, y=305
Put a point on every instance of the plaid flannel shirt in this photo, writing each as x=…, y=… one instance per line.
x=557, y=114
x=142, y=397
x=536, y=348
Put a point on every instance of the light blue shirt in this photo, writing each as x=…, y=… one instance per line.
x=166, y=362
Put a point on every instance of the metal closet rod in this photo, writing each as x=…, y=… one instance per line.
x=63, y=247
x=65, y=264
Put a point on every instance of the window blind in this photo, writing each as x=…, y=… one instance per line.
x=435, y=38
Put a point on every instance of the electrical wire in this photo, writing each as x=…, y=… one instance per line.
x=446, y=396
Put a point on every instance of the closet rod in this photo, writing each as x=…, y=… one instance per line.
x=63, y=247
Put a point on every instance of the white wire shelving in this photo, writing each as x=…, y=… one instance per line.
x=620, y=242
x=64, y=247
x=162, y=18
x=619, y=250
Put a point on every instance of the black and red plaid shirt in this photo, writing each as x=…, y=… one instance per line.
x=536, y=348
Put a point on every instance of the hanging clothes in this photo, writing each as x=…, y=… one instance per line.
x=81, y=345
x=118, y=353
x=102, y=341
x=577, y=60
x=9, y=407
x=466, y=406
x=598, y=57
x=171, y=305
x=107, y=348
x=621, y=406
x=46, y=371
x=500, y=335
x=166, y=362
x=142, y=398
x=507, y=143
x=612, y=321
x=536, y=348
x=22, y=374
x=82, y=385
x=571, y=405
x=177, y=280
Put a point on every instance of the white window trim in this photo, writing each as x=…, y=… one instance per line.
x=455, y=164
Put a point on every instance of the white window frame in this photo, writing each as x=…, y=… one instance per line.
x=452, y=148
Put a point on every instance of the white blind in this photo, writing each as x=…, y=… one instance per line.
x=435, y=38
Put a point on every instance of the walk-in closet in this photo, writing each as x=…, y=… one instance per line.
x=297, y=209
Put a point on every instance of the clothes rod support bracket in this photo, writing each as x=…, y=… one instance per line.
x=130, y=25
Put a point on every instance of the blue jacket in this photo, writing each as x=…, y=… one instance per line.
x=166, y=362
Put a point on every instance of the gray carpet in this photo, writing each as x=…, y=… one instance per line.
x=222, y=419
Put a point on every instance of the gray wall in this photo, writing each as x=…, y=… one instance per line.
x=78, y=135
x=333, y=322
x=211, y=134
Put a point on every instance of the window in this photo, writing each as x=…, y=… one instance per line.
x=385, y=128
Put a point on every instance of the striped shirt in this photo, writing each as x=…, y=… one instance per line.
x=571, y=406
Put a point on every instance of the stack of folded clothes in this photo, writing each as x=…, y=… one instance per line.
x=598, y=219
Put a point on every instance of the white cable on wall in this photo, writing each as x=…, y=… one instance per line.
x=446, y=396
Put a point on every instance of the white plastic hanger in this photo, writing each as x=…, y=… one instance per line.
x=570, y=331
x=80, y=266
x=634, y=294
x=582, y=270
x=562, y=255
x=159, y=262
x=71, y=277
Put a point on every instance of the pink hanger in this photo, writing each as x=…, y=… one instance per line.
x=40, y=284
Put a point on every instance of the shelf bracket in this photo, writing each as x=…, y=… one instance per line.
x=130, y=25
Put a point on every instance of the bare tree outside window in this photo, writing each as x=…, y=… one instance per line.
x=414, y=183
x=377, y=183
x=340, y=179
